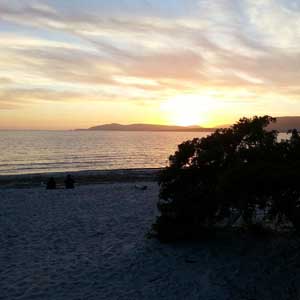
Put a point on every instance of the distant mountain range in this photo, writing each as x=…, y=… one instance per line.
x=282, y=125
x=147, y=127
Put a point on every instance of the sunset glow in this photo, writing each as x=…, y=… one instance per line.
x=74, y=64
x=187, y=110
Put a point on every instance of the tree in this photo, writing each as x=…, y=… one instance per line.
x=233, y=171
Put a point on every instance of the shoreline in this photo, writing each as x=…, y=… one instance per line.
x=81, y=177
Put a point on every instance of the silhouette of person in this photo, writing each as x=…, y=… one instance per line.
x=69, y=182
x=51, y=184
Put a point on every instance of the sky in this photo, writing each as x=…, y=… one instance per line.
x=68, y=64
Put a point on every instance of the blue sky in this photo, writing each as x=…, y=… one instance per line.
x=66, y=64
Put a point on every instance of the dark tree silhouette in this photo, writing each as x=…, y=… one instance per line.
x=228, y=176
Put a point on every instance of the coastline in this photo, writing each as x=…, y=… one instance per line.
x=81, y=177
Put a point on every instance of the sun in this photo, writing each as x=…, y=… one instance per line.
x=187, y=110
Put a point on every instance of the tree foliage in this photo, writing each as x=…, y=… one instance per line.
x=228, y=176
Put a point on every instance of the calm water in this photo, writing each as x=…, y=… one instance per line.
x=24, y=152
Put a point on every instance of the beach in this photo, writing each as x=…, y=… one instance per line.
x=81, y=177
x=91, y=243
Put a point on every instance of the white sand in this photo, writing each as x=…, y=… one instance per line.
x=89, y=243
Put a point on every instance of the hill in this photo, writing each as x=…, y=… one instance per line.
x=147, y=127
x=283, y=124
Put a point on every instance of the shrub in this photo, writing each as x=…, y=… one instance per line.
x=228, y=176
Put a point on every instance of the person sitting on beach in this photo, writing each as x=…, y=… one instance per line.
x=51, y=184
x=69, y=182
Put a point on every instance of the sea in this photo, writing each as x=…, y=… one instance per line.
x=30, y=152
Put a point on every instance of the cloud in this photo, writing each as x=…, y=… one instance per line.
x=5, y=81
x=234, y=48
x=276, y=22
